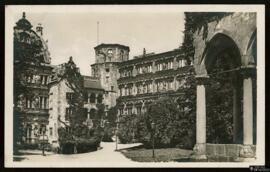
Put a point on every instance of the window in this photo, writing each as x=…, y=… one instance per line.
x=92, y=98
x=121, y=111
x=112, y=88
x=139, y=110
x=182, y=63
x=45, y=102
x=29, y=103
x=129, y=110
x=51, y=131
x=68, y=113
x=107, y=70
x=29, y=78
x=100, y=98
x=69, y=96
x=110, y=52
x=122, y=55
x=170, y=85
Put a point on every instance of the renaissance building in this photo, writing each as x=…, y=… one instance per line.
x=62, y=93
x=32, y=70
x=147, y=77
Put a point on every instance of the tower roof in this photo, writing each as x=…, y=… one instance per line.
x=23, y=23
x=111, y=45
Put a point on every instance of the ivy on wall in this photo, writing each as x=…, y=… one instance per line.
x=198, y=21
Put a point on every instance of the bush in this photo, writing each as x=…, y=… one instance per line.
x=29, y=146
x=80, y=140
x=127, y=129
x=87, y=145
x=80, y=145
x=108, y=134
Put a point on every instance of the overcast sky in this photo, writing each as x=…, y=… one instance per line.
x=75, y=34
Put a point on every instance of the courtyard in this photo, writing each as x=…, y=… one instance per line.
x=105, y=156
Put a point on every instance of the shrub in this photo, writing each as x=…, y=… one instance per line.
x=29, y=146
x=108, y=134
x=127, y=129
x=87, y=145
x=80, y=140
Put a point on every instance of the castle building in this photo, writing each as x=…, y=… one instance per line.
x=31, y=75
x=150, y=76
x=60, y=95
x=105, y=68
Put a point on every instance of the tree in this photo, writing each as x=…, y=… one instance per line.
x=173, y=125
x=77, y=133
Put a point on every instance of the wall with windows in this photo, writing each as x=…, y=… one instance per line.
x=145, y=79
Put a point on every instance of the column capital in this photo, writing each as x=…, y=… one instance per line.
x=248, y=71
x=202, y=79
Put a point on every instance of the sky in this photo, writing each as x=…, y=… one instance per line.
x=75, y=33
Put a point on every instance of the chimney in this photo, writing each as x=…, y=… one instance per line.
x=39, y=29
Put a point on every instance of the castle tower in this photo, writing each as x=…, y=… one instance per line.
x=107, y=57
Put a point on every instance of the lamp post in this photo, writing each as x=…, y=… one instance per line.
x=116, y=134
x=43, y=141
x=153, y=139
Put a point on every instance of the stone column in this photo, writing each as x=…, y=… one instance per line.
x=247, y=150
x=200, y=147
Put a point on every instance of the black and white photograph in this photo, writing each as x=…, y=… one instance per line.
x=134, y=85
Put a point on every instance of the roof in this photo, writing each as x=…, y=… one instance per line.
x=90, y=82
x=23, y=28
x=111, y=45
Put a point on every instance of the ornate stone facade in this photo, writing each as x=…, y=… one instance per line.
x=150, y=76
x=32, y=70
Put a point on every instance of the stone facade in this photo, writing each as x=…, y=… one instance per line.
x=32, y=69
x=150, y=76
x=106, y=69
x=59, y=108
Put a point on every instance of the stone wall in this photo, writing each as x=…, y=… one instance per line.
x=224, y=152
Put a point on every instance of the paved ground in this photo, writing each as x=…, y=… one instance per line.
x=105, y=157
x=106, y=153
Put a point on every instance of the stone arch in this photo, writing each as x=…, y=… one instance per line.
x=219, y=43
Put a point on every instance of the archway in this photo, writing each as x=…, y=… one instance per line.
x=233, y=95
x=223, y=92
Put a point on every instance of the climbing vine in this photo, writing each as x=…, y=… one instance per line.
x=198, y=21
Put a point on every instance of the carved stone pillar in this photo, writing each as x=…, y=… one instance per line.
x=247, y=150
x=200, y=147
